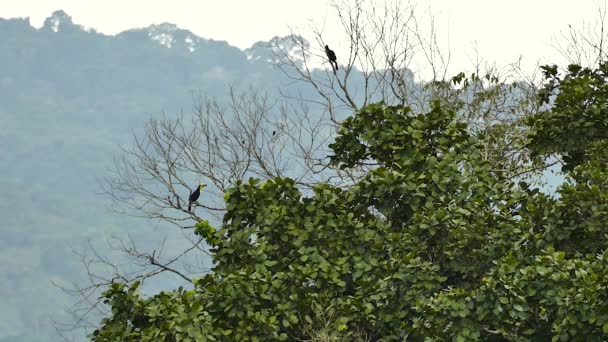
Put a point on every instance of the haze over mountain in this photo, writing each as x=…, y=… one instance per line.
x=69, y=97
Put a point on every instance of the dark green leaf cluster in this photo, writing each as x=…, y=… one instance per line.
x=395, y=137
x=577, y=113
x=431, y=244
x=167, y=316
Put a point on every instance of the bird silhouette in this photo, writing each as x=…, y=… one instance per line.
x=195, y=195
x=331, y=55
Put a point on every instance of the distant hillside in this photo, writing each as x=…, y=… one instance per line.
x=68, y=98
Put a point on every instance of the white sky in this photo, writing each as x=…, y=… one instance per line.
x=501, y=30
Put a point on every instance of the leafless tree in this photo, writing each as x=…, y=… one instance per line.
x=377, y=63
x=252, y=135
x=388, y=45
x=585, y=45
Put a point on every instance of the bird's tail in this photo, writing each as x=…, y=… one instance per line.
x=189, y=206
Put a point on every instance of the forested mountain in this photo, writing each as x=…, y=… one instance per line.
x=69, y=97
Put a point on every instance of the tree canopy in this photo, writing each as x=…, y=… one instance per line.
x=432, y=243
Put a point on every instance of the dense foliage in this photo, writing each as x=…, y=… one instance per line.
x=432, y=243
x=578, y=114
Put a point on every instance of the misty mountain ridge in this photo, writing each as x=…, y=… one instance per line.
x=165, y=34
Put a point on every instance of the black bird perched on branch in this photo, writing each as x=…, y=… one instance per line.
x=195, y=195
x=332, y=58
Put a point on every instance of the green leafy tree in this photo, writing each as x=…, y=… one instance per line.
x=430, y=244
x=578, y=115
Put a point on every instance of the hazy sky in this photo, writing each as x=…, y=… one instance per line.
x=501, y=30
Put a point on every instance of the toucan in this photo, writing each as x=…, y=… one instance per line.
x=332, y=58
x=194, y=195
